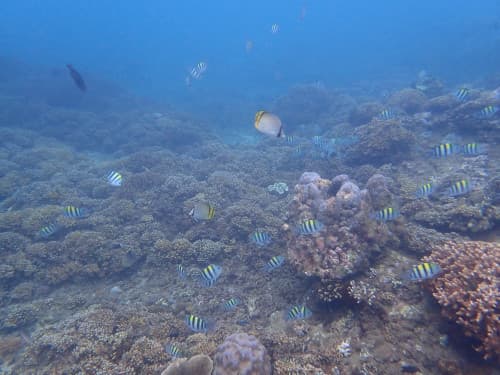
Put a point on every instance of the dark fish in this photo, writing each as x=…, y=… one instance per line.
x=77, y=78
x=409, y=369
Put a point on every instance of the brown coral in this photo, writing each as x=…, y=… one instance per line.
x=468, y=291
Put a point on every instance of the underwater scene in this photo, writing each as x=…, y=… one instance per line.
x=302, y=187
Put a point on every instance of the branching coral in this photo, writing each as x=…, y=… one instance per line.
x=469, y=290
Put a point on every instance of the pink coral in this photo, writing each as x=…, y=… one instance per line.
x=349, y=239
x=468, y=290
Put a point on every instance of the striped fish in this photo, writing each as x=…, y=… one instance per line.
x=309, y=226
x=74, y=212
x=173, y=350
x=260, y=238
x=445, y=149
x=298, y=312
x=458, y=188
x=423, y=271
x=425, y=190
x=48, y=230
x=386, y=114
x=210, y=274
x=202, y=211
x=196, y=324
x=231, y=304
x=290, y=140
x=181, y=272
x=273, y=263
x=462, y=94
x=487, y=112
x=385, y=214
x=114, y=178
x=472, y=149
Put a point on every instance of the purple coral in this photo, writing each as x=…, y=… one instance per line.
x=242, y=354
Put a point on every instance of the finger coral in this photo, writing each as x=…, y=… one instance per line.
x=469, y=290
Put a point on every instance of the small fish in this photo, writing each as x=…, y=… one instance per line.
x=231, y=304
x=275, y=28
x=196, y=72
x=425, y=190
x=407, y=368
x=273, y=263
x=48, y=230
x=290, y=140
x=77, y=78
x=423, y=271
x=210, y=274
x=445, y=149
x=325, y=146
x=298, y=312
x=202, y=211
x=472, y=149
x=310, y=226
x=173, y=350
x=74, y=212
x=201, y=67
x=269, y=124
x=260, y=238
x=386, y=114
x=196, y=323
x=114, y=178
x=462, y=94
x=248, y=46
x=298, y=151
x=487, y=112
x=458, y=188
x=181, y=272
x=385, y=214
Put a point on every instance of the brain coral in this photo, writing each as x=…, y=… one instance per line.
x=242, y=354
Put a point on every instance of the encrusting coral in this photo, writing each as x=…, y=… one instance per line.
x=469, y=290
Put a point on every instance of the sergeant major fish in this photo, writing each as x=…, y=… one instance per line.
x=210, y=274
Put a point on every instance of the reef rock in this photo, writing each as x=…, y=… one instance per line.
x=350, y=237
x=242, y=354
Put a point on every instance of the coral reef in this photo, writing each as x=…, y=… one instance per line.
x=241, y=353
x=381, y=142
x=468, y=290
x=350, y=239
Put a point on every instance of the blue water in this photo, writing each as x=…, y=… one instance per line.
x=149, y=47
